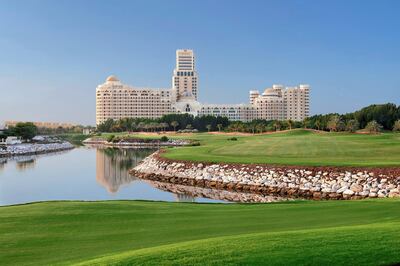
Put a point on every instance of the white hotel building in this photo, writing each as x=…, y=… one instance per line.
x=116, y=100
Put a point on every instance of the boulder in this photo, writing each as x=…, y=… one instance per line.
x=356, y=188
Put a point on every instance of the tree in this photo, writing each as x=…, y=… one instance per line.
x=141, y=126
x=174, y=124
x=164, y=125
x=384, y=114
x=317, y=124
x=189, y=126
x=352, y=125
x=208, y=127
x=25, y=130
x=396, y=126
x=260, y=128
x=373, y=127
x=106, y=126
x=219, y=127
x=290, y=124
x=334, y=123
x=277, y=125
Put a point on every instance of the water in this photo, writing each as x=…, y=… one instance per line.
x=83, y=173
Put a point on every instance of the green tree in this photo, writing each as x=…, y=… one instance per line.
x=260, y=128
x=164, y=125
x=25, y=130
x=208, y=127
x=317, y=124
x=189, y=126
x=174, y=124
x=352, y=125
x=277, y=125
x=334, y=123
x=289, y=124
x=219, y=127
x=106, y=126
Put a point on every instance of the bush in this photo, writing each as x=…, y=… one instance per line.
x=373, y=127
x=195, y=143
x=164, y=139
x=233, y=139
x=110, y=138
x=396, y=126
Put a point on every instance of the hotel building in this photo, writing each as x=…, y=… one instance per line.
x=116, y=100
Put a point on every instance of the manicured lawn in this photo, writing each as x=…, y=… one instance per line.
x=297, y=147
x=158, y=233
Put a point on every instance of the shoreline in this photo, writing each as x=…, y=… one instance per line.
x=37, y=149
x=298, y=182
x=135, y=144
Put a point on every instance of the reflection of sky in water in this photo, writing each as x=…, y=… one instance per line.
x=72, y=175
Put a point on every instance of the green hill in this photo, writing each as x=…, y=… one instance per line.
x=296, y=147
x=134, y=232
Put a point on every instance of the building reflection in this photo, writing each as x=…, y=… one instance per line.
x=113, y=165
x=181, y=197
x=23, y=165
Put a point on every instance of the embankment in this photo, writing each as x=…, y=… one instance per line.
x=284, y=181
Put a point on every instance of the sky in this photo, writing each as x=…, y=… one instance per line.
x=53, y=54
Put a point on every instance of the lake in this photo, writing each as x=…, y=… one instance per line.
x=84, y=173
x=90, y=173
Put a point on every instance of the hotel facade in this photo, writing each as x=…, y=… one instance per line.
x=115, y=100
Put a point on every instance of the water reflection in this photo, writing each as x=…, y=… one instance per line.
x=112, y=166
x=25, y=164
x=71, y=175
x=189, y=193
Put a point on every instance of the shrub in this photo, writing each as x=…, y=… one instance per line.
x=164, y=139
x=233, y=139
x=396, y=126
x=195, y=143
x=110, y=138
x=373, y=127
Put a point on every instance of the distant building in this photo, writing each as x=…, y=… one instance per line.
x=115, y=100
x=280, y=103
x=51, y=125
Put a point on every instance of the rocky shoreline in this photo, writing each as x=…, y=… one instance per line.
x=290, y=182
x=139, y=145
x=34, y=148
x=185, y=192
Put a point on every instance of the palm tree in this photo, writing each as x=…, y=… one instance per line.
x=290, y=124
x=208, y=127
x=164, y=126
x=260, y=128
x=174, y=124
x=277, y=125
x=219, y=127
x=141, y=126
x=317, y=124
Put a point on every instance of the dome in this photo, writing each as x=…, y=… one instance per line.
x=112, y=78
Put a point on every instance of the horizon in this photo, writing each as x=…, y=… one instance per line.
x=52, y=64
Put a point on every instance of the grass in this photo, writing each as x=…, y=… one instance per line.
x=153, y=233
x=296, y=147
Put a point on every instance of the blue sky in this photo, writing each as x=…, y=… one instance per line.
x=53, y=54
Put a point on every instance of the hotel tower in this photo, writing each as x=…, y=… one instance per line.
x=115, y=100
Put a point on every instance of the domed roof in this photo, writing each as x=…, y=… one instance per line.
x=112, y=78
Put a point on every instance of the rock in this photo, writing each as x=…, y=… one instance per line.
x=394, y=193
x=348, y=192
x=356, y=188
